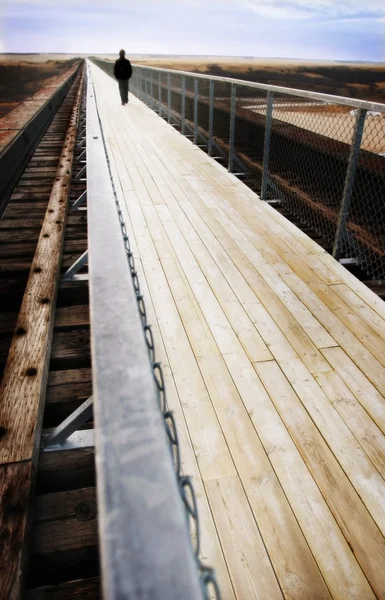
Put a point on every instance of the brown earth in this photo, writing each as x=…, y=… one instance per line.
x=21, y=79
x=365, y=81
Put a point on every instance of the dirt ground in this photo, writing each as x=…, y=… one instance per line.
x=22, y=78
x=338, y=126
x=365, y=81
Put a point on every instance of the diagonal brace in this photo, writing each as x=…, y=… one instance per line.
x=69, y=275
x=71, y=424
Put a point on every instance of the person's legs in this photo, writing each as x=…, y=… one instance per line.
x=126, y=91
x=122, y=90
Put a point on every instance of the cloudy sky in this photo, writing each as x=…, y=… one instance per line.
x=314, y=29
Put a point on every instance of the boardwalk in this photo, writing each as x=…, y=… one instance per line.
x=275, y=365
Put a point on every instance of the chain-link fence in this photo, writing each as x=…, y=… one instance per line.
x=320, y=157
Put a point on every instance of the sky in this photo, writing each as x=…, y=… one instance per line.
x=310, y=29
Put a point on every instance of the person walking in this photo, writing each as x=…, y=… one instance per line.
x=123, y=72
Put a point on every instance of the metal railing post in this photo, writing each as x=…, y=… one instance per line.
x=211, y=117
x=195, y=110
x=232, y=126
x=168, y=97
x=152, y=89
x=183, y=110
x=349, y=182
x=160, y=94
x=266, y=146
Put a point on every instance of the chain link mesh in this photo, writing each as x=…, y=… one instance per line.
x=209, y=585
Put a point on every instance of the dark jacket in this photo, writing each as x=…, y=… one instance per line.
x=122, y=69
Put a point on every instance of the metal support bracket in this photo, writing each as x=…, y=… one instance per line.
x=82, y=198
x=79, y=158
x=266, y=146
x=71, y=273
x=349, y=182
x=183, y=109
x=82, y=170
x=169, y=97
x=195, y=110
x=70, y=425
x=211, y=117
x=232, y=126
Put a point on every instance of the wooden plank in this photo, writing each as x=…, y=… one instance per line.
x=72, y=316
x=357, y=286
x=71, y=349
x=65, y=386
x=72, y=504
x=254, y=576
x=368, y=435
x=15, y=494
x=81, y=589
x=369, y=364
x=358, y=468
x=64, y=549
x=365, y=392
x=363, y=536
x=59, y=472
x=371, y=317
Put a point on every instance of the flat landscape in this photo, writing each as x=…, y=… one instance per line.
x=21, y=76
x=365, y=81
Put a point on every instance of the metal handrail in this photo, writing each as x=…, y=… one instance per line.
x=331, y=99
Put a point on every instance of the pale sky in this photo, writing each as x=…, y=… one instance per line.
x=313, y=29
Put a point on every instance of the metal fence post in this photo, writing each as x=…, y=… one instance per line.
x=152, y=89
x=168, y=97
x=232, y=126
x=160, y=94
x=266, y=146
x=183, y=111
x=144, y=86
x=195, y=110
x=349, y=182
x=211, y=117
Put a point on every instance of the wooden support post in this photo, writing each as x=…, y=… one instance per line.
x=25, y=378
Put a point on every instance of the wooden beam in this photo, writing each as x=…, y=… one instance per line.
x=58, y=471
x=65, y=537
x=81, y=589
x=26, y=372
x=15, y=495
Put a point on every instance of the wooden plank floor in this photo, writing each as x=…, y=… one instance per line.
x=275, y=365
